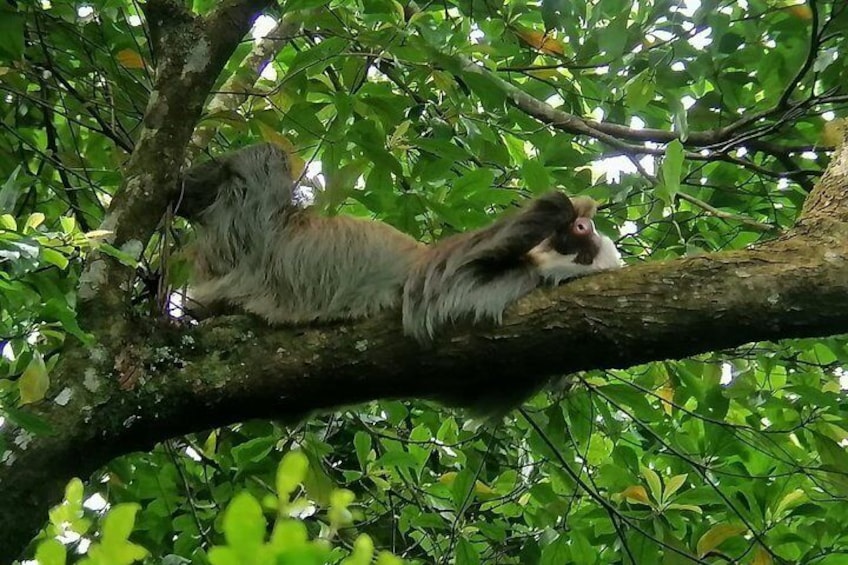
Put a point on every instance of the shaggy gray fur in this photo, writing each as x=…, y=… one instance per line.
x=261, y=252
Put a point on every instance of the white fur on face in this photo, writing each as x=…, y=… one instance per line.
x=555, y=267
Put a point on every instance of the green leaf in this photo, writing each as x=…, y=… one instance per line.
x=74, y=492
x=50, y=552
x=716, y=535
x=69, y=224
x=386, y=558
x=339, y=514
x=244, y=525
x=362, y=445
x=28, y=421
x=469, y=184
x=680, y=119
x=654, y=483
x=11, y=35
x=363, y=551
x=115, y=547
x=292, y=5
x=54, y=258
x=789, y=501
x=58, y=309
x=466, y=553
x=673, y=485
x=614, y=38
x=289, y=534
x=69, y=514
x=640, y=91
x=487, y=89
x=253, y=451
x=291, y=473
x=419, y=446
x=557, y=552
x=10, y=190
x=461, y=489
x=124, y=258
x=119, y=522
x=672, y=168
x=34, y=382
x=202, y=6
x=224, y=556
x=685, y=508
x=535, y=176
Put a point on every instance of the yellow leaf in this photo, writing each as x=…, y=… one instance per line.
x=551, y=74
x=443, y=81
x=130, y=59
x=791, y=500
x=34, y=221
x=97, y=234
x=448, y=478
x=653, y=481
x=540, y=41
x=34, y=381
x=481, y=488
x=761, y=557
x=666, y=395
x=801, y=11
x=636, y=494
x=8, y=222
x=673, y=484
x=716, y=535
x=685, y=507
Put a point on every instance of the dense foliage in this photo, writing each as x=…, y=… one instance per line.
x=700, y=126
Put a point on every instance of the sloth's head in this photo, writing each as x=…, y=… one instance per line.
x=577, y=249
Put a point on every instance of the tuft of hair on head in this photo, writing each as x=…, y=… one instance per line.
x=584, y=206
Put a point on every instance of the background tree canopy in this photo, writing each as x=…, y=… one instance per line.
x=701, y=126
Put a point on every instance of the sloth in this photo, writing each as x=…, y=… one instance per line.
x=260, y=251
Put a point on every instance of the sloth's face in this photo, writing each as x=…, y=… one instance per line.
x=577, y=251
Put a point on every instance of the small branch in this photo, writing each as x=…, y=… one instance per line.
x=53, y=146
x=614, y=135
x=711, y=210
x=812, y=53
x=569, y=66
x=235, y=90
x=703, y=205
x=57, y=73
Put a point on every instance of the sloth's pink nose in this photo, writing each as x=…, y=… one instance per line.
x=583, y=226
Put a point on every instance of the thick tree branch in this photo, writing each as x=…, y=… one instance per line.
x=718, y=141
x=233, y=369
x=828, y=203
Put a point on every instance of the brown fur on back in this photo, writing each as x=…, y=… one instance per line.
x=261, y=252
